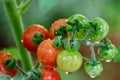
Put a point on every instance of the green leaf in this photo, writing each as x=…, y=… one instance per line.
x=46, y=5
x=117, y=57
x=4, y=78
x=13, y=51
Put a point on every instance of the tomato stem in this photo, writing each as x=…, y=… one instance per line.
x=24, y=6
x=93, y=56
x=17, y=26
x=21, y=70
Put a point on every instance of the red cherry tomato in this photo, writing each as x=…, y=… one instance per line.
x=29, y=33
x=56, y=25
x=50, y=74
x=47, y=53
x=3, y=69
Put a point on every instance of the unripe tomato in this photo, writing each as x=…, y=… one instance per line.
x=50, y=74
x=47, y=53
x=69, y=61
x=108, y=53
x=3, y=69
x=101, y=29
x=29, y=33
x=82, y=21
x=93, y=69
x=56, y=25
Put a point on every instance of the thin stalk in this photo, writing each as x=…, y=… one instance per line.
x=73, y=34
x=17, y=27
x=92, y=52
x=20, y=69
x=25, y=6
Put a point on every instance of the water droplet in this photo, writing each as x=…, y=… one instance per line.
x=108, y=60
x=22, y=41
x=68, y=73
x=92, y=76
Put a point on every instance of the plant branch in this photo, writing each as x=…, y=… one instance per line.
x=25, y=6
x=92, y=52
x=17, y=27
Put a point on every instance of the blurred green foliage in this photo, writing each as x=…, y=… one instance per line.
x=45, y=12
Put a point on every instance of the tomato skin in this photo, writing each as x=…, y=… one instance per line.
x=47, y=53
x=100, y=30
x=69, y=61
x=3, y=69
x=108, y=53
x=93, y=69
x=82, y=20
x=50, y=74
x=56, y=25
x=29, y=33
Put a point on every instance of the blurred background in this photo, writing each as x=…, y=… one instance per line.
x=45, y=12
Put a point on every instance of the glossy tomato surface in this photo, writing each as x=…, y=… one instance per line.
x=50, y=74
x=77, y=21
x=56, y=25
x=47, y=53
x=69, y=61
x=93, y=69
x=3, y=69
x=29, y=33
x=101, y=29
x=108, y=53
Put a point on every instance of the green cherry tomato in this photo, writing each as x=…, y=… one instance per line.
x=108, y=53
x=93, y=69
x=69, y=61
x=101, y=29
x=78, y=21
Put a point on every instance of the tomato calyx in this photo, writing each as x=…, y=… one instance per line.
x=10, y=63
x=37, y=38
x=61, y=31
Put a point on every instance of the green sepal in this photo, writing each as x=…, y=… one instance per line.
x=10, y=63
x=37, y=38
x=61, y=31
x=58, y=42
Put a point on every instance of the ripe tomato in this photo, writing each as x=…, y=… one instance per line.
x=29, y=33
x=108, y=53
x=101, y=29
x=47, y=53
x=50, y=74
x=77, y=21
x=3, y=69
x=56, y=25
x=69, y=61
x=93, y=69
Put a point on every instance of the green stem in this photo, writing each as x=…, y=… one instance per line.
x=20, y=69
x=73, y=34
x=17, y=26
x=92, y=52
x=24, y=7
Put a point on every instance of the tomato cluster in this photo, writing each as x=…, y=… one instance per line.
x=59, y=46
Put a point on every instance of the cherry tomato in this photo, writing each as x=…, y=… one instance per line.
x=29, y=33
x=3, y=69
x=78, y=21
x=107, y=53
x=69, y=61
x=50, y=74
x=93, y=69
x=47, y=53
x=101, y=29
x=56, y=25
